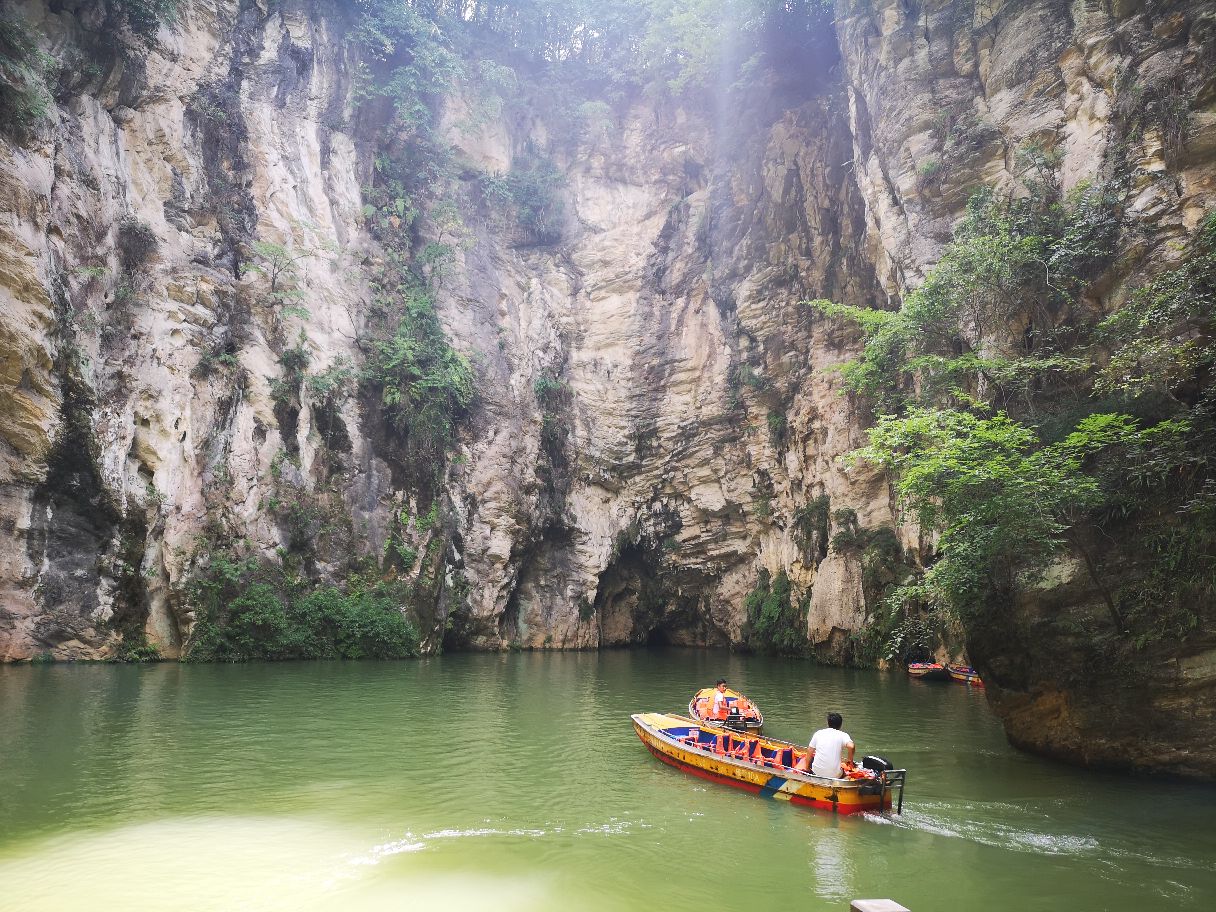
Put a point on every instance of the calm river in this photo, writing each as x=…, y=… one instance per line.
x=515, y=781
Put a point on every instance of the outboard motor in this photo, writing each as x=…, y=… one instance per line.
x=878, y=764
x=888, y=778
x=735, y=721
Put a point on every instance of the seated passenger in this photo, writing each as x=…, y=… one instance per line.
x=826, y=747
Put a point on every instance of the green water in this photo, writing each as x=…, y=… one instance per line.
x=516, y=782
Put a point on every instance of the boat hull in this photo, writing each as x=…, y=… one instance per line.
x=660, y=732
x=964, y=674
x=928, y=672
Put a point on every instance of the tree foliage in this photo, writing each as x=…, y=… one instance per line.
x=248, y=610
x=145, y=17
x=775, y=622
x=1019, y=431
x=25, y=99
x=1165, y=336
x=424, y=384
x=992, y=320
x=611, y=45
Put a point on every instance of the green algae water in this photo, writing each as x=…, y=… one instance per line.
x=515, y=782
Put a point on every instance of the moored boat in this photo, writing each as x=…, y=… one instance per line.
x=765, y=766
x=743, y=714
x=928, y=671
x=964, y=674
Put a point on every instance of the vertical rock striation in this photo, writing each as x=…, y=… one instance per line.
x=189, y=288
x=146, y=356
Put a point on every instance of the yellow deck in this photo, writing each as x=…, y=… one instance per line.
x=842, y=796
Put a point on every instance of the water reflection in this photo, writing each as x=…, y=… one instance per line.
x=514, y=781
x=832, y=863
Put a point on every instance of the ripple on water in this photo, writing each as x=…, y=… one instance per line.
x=516, y=782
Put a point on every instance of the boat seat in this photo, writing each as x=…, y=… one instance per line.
x=779, y=758
x=760, y=758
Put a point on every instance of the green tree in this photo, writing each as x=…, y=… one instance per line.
x=424, y=384
x=1019, y=430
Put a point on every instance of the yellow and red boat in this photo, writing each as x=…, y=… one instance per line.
x=964, y=674
x=766, y=766
x=743, y=714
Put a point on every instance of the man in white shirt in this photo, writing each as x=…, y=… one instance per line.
x=826, y=747
x=720, y=708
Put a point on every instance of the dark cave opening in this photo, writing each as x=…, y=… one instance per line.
x=641, y=603
x=659, y=636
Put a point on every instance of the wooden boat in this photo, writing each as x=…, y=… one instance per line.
x=964, y=674
x=744, y=714
x=764, y=766
x=928, y=671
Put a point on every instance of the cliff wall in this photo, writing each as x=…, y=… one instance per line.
x=193, y=249
x=696, y=410
x=943, y=97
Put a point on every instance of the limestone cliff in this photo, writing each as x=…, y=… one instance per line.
x=942, y=97
x=657, y=421
x=698, y=410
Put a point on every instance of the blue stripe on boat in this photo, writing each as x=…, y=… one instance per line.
x=772, y=787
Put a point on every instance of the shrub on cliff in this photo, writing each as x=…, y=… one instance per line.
x=989, y=321
x=24, y=97
x=136, y=242
x=248, y=610
x=775, y=623
x=144, y=17
x=424, y=385
x=532, y=192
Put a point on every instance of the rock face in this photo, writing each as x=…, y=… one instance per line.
x=698, y=409
x=692, y=426
x=942, y=96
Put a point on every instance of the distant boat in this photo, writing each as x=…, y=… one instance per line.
x=928, y=671
x=964, y=674
x=743, y=714
x=767, y=767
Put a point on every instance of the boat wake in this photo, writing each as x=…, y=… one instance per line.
x=946, y=820
x=411, y=843
x=417, y=843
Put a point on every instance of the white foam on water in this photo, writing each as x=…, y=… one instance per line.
x=612, y=828
x=484, y=831
x=412, y=843
x=385, y=850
